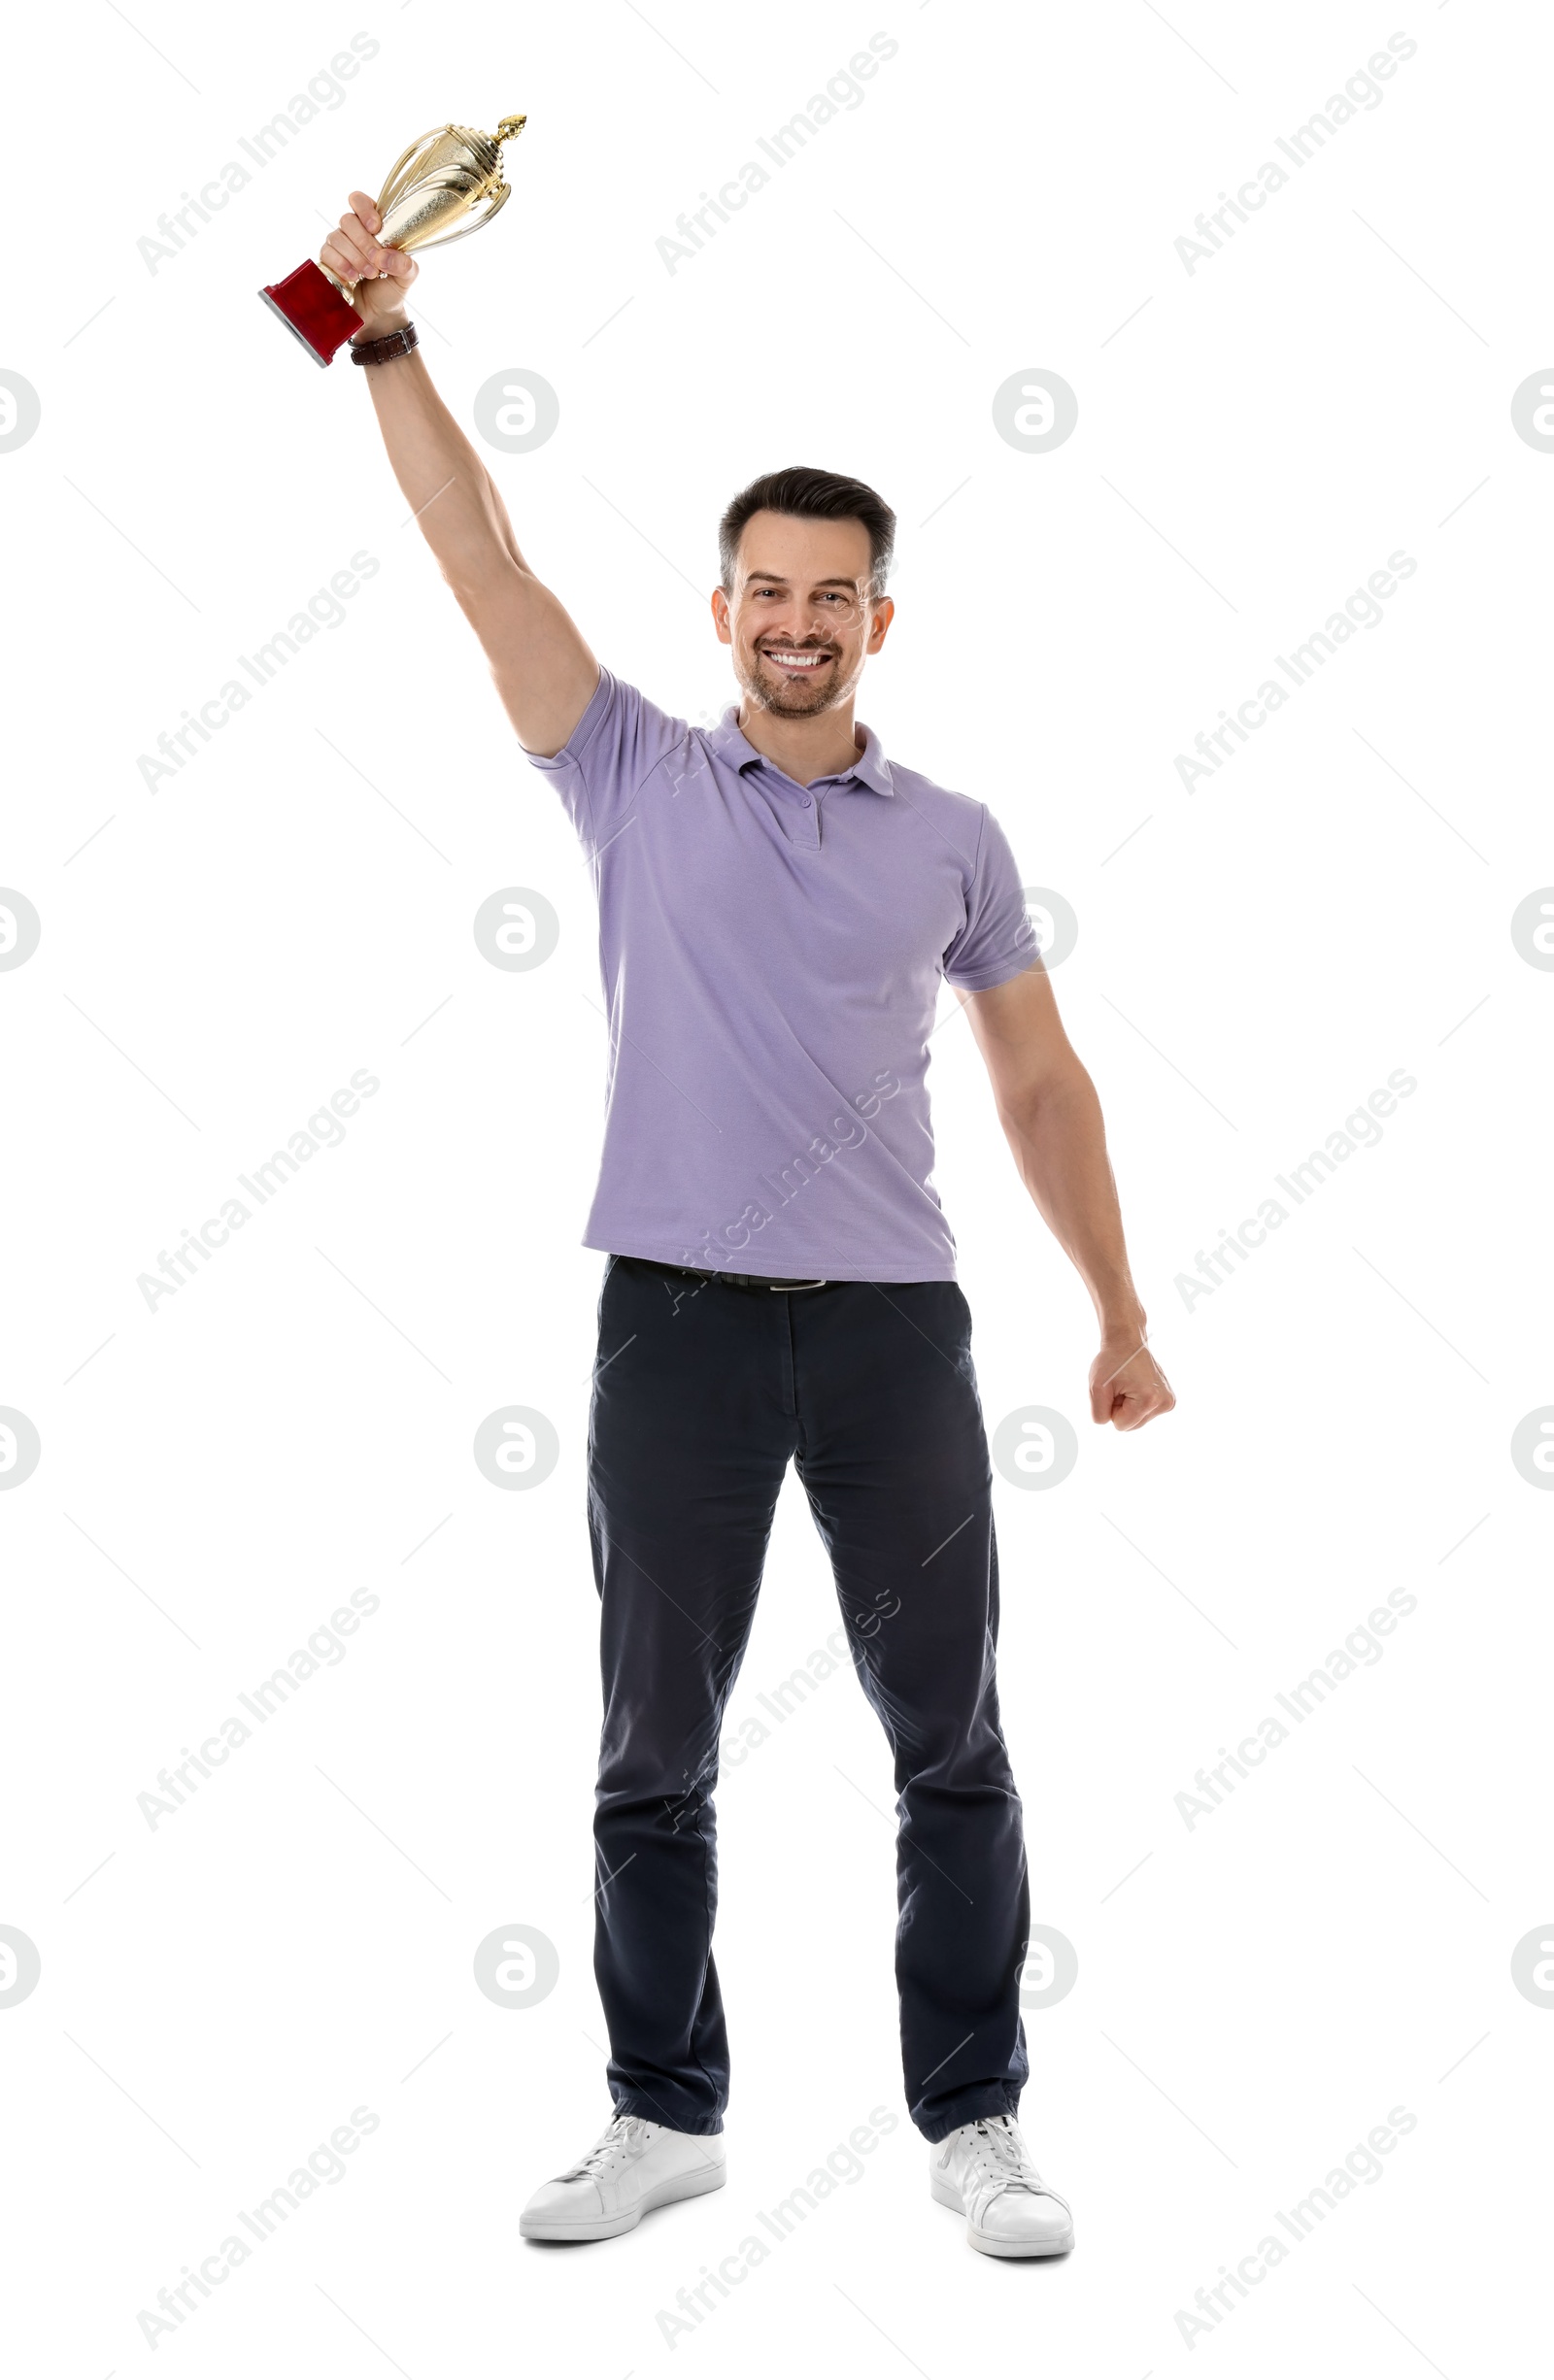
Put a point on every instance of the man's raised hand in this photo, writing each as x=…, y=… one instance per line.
x=378, y=278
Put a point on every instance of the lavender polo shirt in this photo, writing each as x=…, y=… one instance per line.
x=771, y=956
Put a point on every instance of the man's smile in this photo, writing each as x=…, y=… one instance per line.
x=801, y=660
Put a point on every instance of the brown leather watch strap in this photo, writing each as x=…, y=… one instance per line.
x=383, y=351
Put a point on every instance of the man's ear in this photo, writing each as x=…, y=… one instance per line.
x=884, y=614
x=719, y=617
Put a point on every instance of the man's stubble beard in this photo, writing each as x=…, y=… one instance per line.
x=791, y=698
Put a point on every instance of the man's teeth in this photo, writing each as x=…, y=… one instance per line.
x=798, y=660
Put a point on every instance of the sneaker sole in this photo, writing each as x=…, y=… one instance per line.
x=609, y=2226
x=947, y=2195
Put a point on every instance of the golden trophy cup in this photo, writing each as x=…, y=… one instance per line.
x=448, y=183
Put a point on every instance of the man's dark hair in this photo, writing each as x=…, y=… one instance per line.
x=811, y=495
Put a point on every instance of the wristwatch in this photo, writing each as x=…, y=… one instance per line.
x=383, y=351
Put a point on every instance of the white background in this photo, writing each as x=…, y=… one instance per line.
x=218, y=955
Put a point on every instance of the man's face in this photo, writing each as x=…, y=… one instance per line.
x=799, y=617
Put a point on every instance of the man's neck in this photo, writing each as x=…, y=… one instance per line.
x=803, y=749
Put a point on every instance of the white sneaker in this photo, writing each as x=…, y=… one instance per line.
x=984, y=2170
x=632, y=2167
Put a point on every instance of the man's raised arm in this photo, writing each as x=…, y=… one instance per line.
x=544, y=671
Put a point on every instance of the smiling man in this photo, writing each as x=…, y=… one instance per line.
x=779, y=903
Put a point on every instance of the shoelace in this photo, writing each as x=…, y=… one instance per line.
x=620, y=2139
x=1000, y=2157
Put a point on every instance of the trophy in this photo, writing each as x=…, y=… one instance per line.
x=445, y=185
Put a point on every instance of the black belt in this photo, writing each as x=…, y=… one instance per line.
x=748, y=1281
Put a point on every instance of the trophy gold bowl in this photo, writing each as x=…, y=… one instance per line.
x=448, y=183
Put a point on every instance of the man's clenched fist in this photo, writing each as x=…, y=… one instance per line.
x=377, y=279
x=1126, y=1386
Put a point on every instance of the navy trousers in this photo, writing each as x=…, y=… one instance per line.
x=703, y=1392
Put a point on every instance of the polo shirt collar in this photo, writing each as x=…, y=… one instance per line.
x=730, y=745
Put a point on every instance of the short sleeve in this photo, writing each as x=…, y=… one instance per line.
x=616, y=744
x=998, y=940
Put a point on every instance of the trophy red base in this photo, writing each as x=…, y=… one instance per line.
x=314, y=310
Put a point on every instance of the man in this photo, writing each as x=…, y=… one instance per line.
x=778, y=902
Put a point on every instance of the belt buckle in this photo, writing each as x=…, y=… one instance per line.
x=781, y=1289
